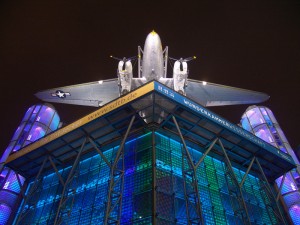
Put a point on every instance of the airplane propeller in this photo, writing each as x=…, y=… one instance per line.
x=181, y=60
x=184, y=60
x=124, y=58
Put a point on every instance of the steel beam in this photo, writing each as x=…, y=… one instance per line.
x=247, y=172
x=242, y=211
x=192, y=198
x=273, y=206
x=99, y=152
x=211, y=145
x=32, y=189
x=63, y=198
x=56, y=171
x=183, y=142
x=154, y=187
x=116, y=184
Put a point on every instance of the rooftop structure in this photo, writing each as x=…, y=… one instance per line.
x=150, y=156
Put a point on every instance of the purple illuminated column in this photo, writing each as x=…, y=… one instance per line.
x=38, y=121
x=10, y=188
x=260, y=121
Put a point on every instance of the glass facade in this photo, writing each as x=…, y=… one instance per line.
x=10, y=188
x=38, y=121
x=145, y=188
x=261, y=122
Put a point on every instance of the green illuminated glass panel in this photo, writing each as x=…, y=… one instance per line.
x=87, y=196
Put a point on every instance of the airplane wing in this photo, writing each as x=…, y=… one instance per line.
x=210, y=94
x=89, y=94
x=99, y=93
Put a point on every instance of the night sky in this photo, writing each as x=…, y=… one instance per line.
x=248, y=44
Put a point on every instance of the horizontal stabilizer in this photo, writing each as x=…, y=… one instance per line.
x=89, y=94
x=210, y=94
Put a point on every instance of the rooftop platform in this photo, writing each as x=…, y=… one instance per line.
x=153, y=104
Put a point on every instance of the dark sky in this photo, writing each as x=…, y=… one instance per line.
x=248, y=44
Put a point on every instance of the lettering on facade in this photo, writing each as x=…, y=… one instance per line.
x=216, y=118
x=100, y=112
x=112, y=106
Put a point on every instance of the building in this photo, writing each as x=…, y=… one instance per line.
x=261, y=121
x=38, y=121
x=152, y=156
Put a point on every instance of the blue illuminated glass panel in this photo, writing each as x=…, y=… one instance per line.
x=55, y=122
x=294, y=213
x=245, y=123
x=87, y=197
x=10, y=189
x=45, y=115
x=38, y=121
x=18, y=131
x=263, y=132
x=254, y=117
x=36, y=133
x=28, y=113
x=5, y=212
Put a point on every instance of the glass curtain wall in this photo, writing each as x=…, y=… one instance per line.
x=86, y=204
x=38, y=121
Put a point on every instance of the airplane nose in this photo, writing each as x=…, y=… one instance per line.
x=152, y=64
x=153, y=33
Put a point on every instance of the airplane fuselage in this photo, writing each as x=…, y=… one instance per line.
x=153, y=60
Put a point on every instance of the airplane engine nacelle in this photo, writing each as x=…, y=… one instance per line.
x=180, y=74
x=125, y=76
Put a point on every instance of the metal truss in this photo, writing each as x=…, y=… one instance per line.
x=37, y=183
x=68, y=190
x=33, y=189
x=190, y=184
x=270, y=200
x=191, y=192
x=235, y=190
x=116, y=184
x=154, y=185
x=192, y=198
x=114, y=203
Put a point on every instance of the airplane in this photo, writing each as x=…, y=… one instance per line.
x=152, y=65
